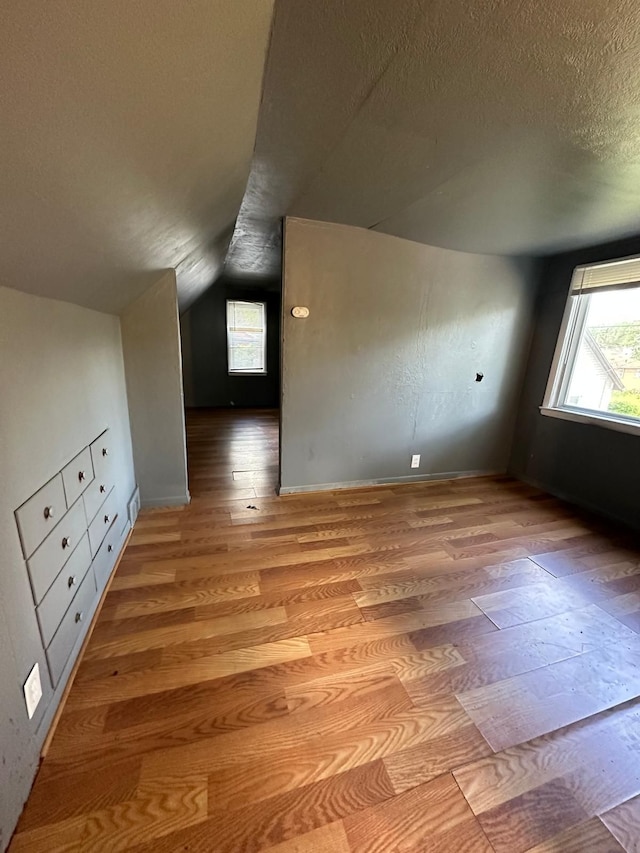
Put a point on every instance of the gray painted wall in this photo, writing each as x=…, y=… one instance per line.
x=204, y=339
x=587, y=464
x=61, y=384
x=153, y=366
x=385, y=366
x=187, y=367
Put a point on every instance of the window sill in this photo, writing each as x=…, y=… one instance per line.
x=591, y=418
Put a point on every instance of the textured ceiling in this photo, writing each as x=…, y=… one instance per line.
x=127, y=133
x=128, y=129
x=499, y=126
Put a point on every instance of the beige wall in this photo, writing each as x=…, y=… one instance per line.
x=385, y=365
x=61, y=384
x=151, y=345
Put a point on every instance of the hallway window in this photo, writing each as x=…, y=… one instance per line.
x=246, y=337
x=593, y=377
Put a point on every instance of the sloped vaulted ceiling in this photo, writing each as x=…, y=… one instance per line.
x=498, y=126
x=128, y=129
x=127, y=134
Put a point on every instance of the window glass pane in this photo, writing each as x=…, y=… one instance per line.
x=247, y=315
x=606, y=361
x=246, y=337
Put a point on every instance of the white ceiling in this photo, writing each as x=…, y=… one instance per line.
x=127, y=133
x=498, y=126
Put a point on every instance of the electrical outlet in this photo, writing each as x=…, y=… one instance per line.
x=33, y=690
x=415, y=460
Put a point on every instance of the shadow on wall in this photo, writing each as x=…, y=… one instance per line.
x=440, y=456
x=207, y=382
x=420, y=387
x=590, y=465
x=386, y=364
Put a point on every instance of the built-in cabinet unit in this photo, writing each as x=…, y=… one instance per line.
x=72, y=531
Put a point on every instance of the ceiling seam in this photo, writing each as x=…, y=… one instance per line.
x=393, y=55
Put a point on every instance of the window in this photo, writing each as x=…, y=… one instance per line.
x=594, y=376
x=246, y=337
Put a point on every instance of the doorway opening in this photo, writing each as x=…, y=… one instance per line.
x=231, y=370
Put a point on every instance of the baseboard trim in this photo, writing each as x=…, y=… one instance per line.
x=572, y=499
x=177, y=500
x=70, y=678
x=386, y=481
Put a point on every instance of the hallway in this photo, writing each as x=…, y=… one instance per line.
x=449, y=666
x=232, y=454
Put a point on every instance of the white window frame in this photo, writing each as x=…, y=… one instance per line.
x=568, y=341
x=236, y=372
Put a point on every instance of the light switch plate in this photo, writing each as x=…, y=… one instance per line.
x=415, y=460
x=33, y=690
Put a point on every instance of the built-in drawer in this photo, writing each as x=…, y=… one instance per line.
x=77, y=475
x=102, y=456
x=102, y=522
x=95, y=496
x=62, y=591
x=56, y=549
x=39, y=515
x=106, y=557
x=71, y=627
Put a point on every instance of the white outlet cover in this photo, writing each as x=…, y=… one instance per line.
x=415, y=460
x=33, y=690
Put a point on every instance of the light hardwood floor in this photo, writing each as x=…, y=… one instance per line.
x=450, y=666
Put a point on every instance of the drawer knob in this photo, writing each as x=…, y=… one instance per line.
x=81, y=475
x=103, y=489
x=79, y=617
x=71, y=581
x=49, y=512
x=66, y=542
x=107, y=519
x=109, y=548
x=105, y=452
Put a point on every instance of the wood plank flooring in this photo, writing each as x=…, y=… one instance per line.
x=451, y=666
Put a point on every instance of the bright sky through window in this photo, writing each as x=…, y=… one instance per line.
x=246, y=337
x=596, y=369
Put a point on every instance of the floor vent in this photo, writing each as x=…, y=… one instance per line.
x=133, y=506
